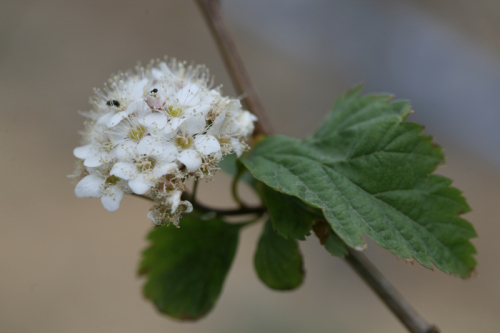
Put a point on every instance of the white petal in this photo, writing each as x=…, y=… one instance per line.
x=238, y=147
x=189, y=206
x=174, y=200
x=217, y=124
x=161, y=169
x=124, y=170
x=126, y=150
x=195, y=124
x=82, y=152
x=246, y=120
x=89, y=187
x=169, y=152
x=97, y=158
x=141, y=110
x=156, y=120
x=206, y=144
x=139, y=185
x=230, y=125
x=116, y=118
x=150, y=145
x=105, y=118
x=138, y=89
x=199, y=110
x=111, y=200
x=188, y=95
x=173, y=125
x=151, y=217
x=190, y=159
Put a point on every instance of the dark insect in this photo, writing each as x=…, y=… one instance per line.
x=113, y=102
x=154, y=91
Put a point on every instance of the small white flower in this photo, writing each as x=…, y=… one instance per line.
x=93, y=156
x=170, y=212
x=120, y=99
x=193, y=148
x=144, y=172
x=93, y=186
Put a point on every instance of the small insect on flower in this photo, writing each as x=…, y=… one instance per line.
x=153, y=129
x=113, y=102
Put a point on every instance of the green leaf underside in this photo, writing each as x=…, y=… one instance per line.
x=371, y=174
x=278, y=261
x=186, y=267
x=289, y=215
x=335, y=246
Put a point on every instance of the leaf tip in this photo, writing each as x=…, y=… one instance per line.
x=361, y=247
x=409, y=260
x=472, y=274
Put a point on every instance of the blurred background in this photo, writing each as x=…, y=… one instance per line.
x=68, y=265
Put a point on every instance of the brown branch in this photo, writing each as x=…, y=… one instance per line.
x=224, y=212
x=234, y=63
x=389, y=295
x=221, y=212
x=358, y=261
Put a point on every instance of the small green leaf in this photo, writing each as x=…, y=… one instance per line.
x=291, y=218
x=228, y=164
x=231, y=165
x=370, y=172
x=186, y=267
x=278, y=261
x=335, y=246
x=327, y=237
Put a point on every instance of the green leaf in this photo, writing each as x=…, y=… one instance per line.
x=370, y=172
x=186, y=266
x=278, y=261
x=231, y=165
x=327, y=237
x=291, y=218
x=335, y=246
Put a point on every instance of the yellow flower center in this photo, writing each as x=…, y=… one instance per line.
x=137, y=133
x=146, y=164
x=174, y=111
x=183, y=142
x=112, y=180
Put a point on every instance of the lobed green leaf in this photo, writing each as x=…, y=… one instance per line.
x=371, y=173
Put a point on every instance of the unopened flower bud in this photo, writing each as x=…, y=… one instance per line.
x=155, y=99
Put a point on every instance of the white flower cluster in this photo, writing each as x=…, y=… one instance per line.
x=153, y=129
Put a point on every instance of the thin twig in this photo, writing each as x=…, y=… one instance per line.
x=195, y=189
x=225, y=212
x=221, y=212
x=234, y=63
x=230, y=212
x=391, y=297
x=234, y=190
x=358, y=261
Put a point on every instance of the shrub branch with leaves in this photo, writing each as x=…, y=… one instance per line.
x=364, y=171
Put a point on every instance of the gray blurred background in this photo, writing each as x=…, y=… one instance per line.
x=67, y=265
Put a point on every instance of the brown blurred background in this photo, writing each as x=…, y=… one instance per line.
x=67, y=265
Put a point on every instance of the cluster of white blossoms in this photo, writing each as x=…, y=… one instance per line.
x=153, y=129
